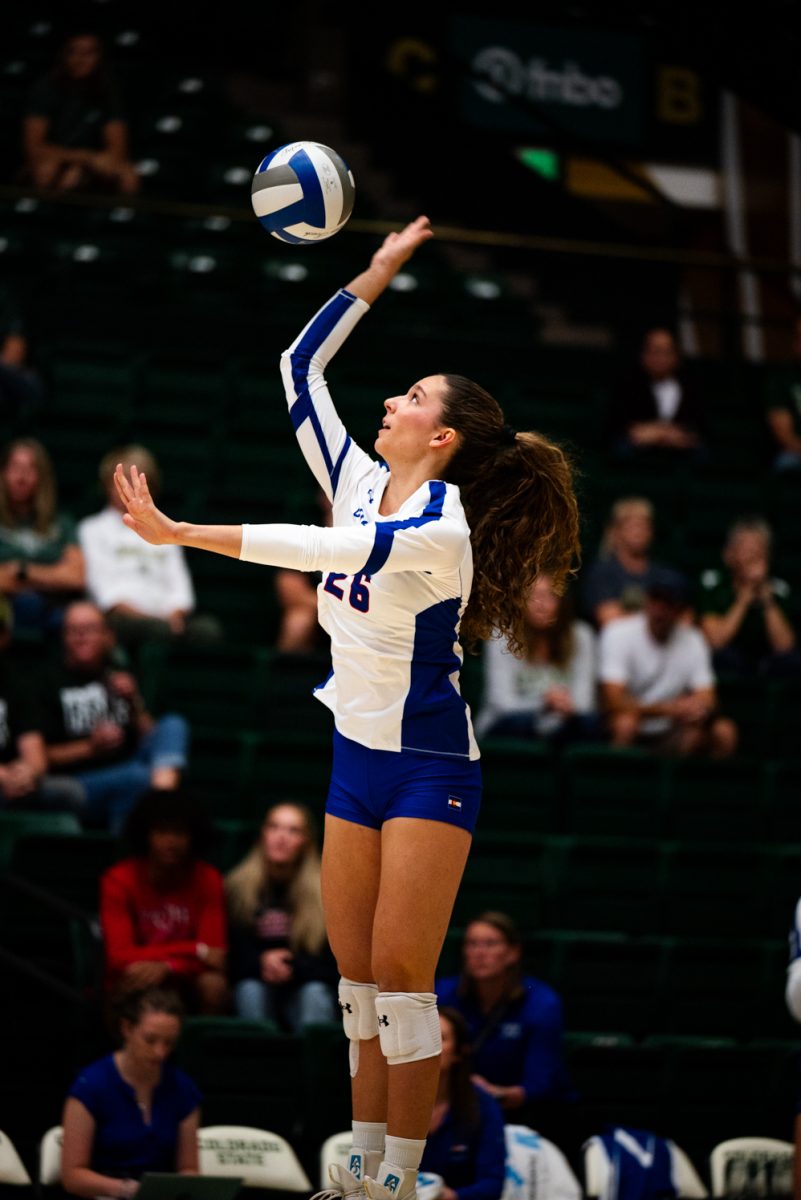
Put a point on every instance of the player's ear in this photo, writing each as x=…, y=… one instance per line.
x=445, y=437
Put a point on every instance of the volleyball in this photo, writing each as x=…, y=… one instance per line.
x=302, y=192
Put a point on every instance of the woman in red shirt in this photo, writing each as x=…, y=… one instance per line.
x=162, y=911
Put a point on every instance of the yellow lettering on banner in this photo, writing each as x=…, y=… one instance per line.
x=414, y=60
x=678, y=96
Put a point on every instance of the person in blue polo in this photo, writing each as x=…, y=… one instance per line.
x=134, y=1110
x=515, y=1022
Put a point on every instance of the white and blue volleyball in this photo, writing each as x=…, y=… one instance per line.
x=302, y=192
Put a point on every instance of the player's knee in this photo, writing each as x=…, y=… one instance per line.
x=398, y=972
x=357, y=1005
x=408, y=1026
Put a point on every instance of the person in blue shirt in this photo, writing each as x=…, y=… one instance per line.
x=132, y=1111
x=466, y=1144
x=515, y=1021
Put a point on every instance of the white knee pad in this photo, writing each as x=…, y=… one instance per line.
x=408, y=1026
x=357, y=1004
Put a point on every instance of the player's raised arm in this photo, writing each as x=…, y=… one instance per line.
x=321, y=435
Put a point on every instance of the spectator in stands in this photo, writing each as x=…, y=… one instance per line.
x=134, y=1110
x=41, y=564
x=743, y=610
x=23, y=761
x=550, y=693
x=21, y=391
x=782, y=399
x=466, y=1144
x=281, y=966
x=74, y=131
x=657, y=408
x=657, y=682
x=515, y=1022
x=145, y=591
x=615, y=584
x=162, y=910
x=96, y=725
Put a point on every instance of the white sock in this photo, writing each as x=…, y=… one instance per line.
x=368, y=1148
x=401, y=1160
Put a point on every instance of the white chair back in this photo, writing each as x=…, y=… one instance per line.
x=335, y=1149
x=50, y=1156
x=11, y=1168
x=536, y=1169
x=258, y=1157
x=752, y=1166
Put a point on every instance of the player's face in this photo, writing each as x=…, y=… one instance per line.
x=284, y=836
x=450, y=1051
x=487, y=954
x=21, y=476
x=411, y=421
x=152, y=1039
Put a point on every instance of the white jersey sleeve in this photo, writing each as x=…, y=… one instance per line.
x=326, y=444
x=430, y=542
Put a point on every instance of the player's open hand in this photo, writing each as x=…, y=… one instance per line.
x=142, y=515
x=398, y=248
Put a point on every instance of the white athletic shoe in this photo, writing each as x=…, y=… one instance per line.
x=344, y=1185
x=406, y=1188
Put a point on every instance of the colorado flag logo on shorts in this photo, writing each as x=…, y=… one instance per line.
x=454, y=802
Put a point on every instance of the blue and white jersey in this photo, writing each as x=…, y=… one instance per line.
x=394, y=587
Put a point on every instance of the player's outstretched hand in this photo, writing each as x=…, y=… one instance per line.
x=398, y=248
x=142, y=515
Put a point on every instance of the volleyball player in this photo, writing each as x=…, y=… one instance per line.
x=435, y=542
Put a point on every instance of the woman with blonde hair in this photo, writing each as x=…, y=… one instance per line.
x=551, y=692
x=41, y=564
x=616, y=583
x=281, y=966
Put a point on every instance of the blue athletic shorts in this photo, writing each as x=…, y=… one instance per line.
x=369, y=787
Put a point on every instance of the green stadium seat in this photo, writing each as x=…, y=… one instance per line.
x=521, y=787
x=248, y=1073
x=784, y=706
x=715, y=891
x=68, y=865
x=509, y=878
x=327, y=1100
x=609, y=982
x=716, y=801
x=614, y=792
x=291, y=765
x=714, y=989
x=215, y=686
x=618, y=1083
x=219, y=770
x=16, y=824
x=781, y=789
x=608, y=885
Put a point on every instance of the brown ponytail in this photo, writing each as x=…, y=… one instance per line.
x=517, y=492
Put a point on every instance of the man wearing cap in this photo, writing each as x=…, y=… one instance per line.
x=656, y=678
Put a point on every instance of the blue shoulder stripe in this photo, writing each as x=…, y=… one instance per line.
x=303, y=409
x=385, y=530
